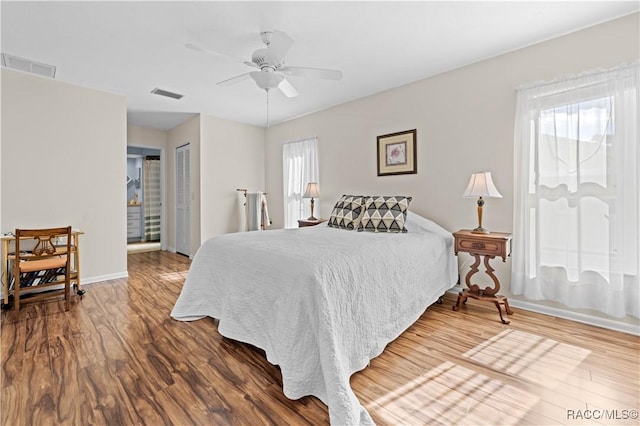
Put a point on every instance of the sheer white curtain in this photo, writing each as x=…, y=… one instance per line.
x=299, y=167
x=577, y=191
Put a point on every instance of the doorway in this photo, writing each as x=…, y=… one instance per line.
x=144, y=199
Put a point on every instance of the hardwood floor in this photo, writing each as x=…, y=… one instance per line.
x=117, y=358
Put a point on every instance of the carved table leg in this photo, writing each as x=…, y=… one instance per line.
x=504, y=321
x=489, y=291
x=462, y=298
x=474, y=269
x=507, y=308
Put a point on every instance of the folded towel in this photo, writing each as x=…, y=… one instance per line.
x=254, y=210
x=266, y=220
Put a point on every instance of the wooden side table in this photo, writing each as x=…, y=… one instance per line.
x=487, y=245
x=306, y=222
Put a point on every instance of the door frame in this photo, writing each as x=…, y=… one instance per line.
x=163, y=190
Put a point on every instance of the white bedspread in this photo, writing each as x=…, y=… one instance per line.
x=320, y=301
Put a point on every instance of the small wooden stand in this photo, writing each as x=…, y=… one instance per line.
x=487, y=245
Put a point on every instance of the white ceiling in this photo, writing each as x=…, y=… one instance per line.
x=132, y=47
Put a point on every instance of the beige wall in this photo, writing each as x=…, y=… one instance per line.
x=146, y=137
x=63, y=163
x=464, y=120
x=231, y=156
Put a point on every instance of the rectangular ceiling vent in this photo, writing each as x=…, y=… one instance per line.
x=27, y=65
x=166, y=93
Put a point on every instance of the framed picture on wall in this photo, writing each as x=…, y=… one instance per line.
x=397, y=153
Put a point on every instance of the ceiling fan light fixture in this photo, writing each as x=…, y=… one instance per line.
x=266, y=80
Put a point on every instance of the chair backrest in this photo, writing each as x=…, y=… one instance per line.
x=45, y=243
x=46, y=262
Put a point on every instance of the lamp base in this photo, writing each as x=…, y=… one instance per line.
x=480, y=230
x=312, y=217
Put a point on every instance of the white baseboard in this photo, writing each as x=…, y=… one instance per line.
x=610, y=324
x=100, y=278
x=172, y=250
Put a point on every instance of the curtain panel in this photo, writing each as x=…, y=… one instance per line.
x=152, y=202
x=299, y=167
x=577, y=191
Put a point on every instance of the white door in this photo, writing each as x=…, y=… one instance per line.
x=183, y=199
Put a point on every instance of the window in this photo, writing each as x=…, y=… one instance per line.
x=575, y=191
x=299, y=167
x=576, y=212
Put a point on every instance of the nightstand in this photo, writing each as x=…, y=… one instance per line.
x=487, y=245
x=306, y=222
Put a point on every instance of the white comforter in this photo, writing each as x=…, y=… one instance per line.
x=320, y=301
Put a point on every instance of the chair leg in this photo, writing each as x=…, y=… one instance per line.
x=67, y=295
x=16, y=295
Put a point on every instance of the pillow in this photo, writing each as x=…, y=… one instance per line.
x=385, y=214
x=346, y=213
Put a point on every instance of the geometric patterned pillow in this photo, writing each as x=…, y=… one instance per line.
x=346, y=213
x=385, y=214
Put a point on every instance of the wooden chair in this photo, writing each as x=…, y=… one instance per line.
x=46, y=264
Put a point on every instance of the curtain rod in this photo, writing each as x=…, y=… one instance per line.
x=573, y=77
x=301, y=140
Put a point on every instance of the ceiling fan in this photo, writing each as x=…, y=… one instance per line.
x=271, y=65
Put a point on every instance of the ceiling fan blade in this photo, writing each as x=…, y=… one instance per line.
x=312, y=72
x=288, y=89
x=279, y=45
x=205, y=51
x=234, y=80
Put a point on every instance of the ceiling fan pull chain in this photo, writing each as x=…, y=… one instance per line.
x=267, y=108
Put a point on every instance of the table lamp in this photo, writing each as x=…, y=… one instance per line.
x=481, y=185
x=313, y=191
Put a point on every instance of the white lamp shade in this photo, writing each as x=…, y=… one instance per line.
x=481, y=185
x=313, y=190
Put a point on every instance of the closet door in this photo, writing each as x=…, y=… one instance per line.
x=183, y=199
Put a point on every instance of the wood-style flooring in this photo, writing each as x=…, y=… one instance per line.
x=117, y=358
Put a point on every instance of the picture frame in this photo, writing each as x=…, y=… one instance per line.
x=397, y=154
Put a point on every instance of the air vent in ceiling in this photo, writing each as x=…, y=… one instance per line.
x=166, y=93
x=27, y=65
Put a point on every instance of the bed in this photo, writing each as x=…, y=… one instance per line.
x=320, y=301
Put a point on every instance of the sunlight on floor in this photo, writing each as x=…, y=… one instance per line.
x=142, y=247
x=454, y=394
x=529, y=356
x=173, y=276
